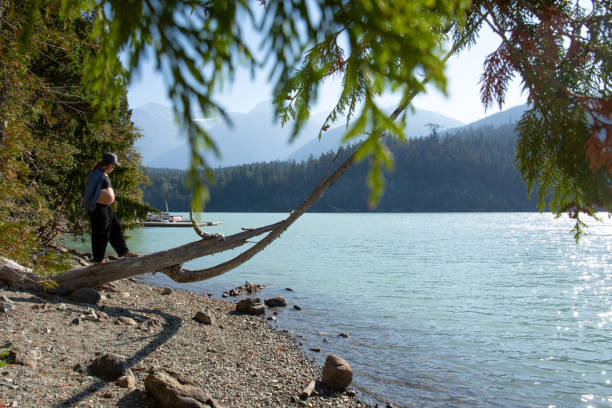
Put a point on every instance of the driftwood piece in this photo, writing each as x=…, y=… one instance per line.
x=307, y=392
x=14, y=274
x=202, y=234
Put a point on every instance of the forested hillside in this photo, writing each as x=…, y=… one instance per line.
x=468, y=171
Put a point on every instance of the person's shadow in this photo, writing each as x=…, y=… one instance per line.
x=170, y=326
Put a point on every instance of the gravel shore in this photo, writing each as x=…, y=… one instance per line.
x=239, y=359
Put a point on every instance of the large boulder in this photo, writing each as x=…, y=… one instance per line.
x=337, y=373
x=173, y=389
x=85, y=295
x=250, y=306
x=110, y=367
x=276, y=301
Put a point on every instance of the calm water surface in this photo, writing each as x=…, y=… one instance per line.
x=444, y=310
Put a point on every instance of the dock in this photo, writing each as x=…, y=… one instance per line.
x=178, y=223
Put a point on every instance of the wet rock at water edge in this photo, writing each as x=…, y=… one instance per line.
x=173, y=389
x=110, y=367
x=85, y=295
x=204, y=317
x=246, y=289
x=337, y=373
x=296, y=307
x=166, y=291
x=252, y=306
x=277, y=301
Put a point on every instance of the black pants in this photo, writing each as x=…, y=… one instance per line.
x=105, y=228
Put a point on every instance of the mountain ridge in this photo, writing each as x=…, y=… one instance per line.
x=257, y=137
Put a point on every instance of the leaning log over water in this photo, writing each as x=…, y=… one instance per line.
x=170, y=261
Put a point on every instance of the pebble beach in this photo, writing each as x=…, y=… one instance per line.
x=237, y=359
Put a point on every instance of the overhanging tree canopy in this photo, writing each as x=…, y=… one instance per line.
x=559, y=49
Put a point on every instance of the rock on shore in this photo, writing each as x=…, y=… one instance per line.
x=337, y=373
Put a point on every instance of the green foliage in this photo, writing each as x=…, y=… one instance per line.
x=53, y=134
x=5, y=358
x=560, y=50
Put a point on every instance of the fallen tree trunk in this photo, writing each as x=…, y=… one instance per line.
x=170, y=261
x=95, y=275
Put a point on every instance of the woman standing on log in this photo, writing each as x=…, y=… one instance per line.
x=98, y=202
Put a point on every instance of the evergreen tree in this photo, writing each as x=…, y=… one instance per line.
x=53, y=134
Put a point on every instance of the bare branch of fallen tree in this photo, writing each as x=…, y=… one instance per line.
x=170, y=261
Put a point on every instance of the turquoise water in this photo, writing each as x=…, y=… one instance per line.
x=444, y=310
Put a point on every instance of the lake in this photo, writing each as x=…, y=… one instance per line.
x=443, y=309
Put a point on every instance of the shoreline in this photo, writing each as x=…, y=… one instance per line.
x=240, y=360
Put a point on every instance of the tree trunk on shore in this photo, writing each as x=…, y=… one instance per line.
x=170, y=261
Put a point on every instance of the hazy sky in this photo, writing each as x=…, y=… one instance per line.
x=462, y=103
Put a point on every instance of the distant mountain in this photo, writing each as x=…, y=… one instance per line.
x=160, y=131
x=416, y=123
x=506, y=117
x=254, y=137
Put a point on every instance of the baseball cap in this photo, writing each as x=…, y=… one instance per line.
x=110, y=158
